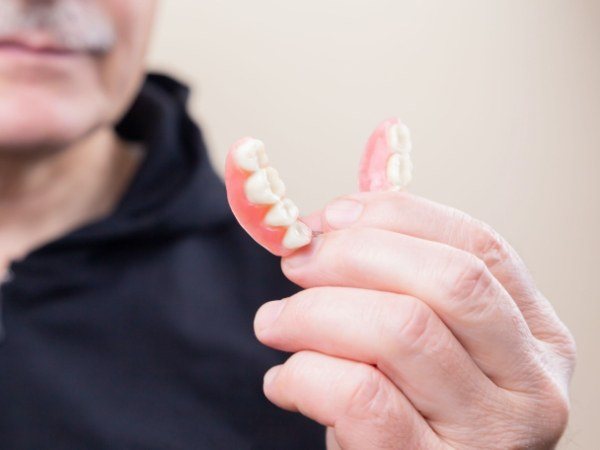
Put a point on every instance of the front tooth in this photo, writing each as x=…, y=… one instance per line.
x=399, y=169
x=282, y=214
x=251, y=155
x=264, y=187
x=298, y=235
x=398, y=138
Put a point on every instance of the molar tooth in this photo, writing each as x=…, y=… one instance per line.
x=298, y=235
x=251, y=155
x=398, y=138
x=264, y=187
x=282, y=214
x=399, y=169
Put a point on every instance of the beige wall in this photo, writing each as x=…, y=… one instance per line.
x=503, y=98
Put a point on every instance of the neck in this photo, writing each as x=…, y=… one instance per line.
x=45, y=195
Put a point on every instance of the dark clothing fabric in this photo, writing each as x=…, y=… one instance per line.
x=135, y=332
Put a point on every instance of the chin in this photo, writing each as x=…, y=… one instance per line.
x=38, y=118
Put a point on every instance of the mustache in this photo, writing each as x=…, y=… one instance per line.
x=77, y=25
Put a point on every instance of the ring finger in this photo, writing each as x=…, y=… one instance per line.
x=400, y=335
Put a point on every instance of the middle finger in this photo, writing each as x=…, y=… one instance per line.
x=455, y=284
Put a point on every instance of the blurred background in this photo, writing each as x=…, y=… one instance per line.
x=502, y=97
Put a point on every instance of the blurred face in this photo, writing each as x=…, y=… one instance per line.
x=68, y=68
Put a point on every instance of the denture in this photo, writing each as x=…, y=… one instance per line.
x=386, y=163
x=256, y=193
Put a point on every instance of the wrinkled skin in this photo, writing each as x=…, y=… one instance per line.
x=419, y=327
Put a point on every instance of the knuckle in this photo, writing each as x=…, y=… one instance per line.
x=570, y=348
x=526, y=420
x=489, y=245
x=467, y=277
x=410, y=330
x=545, y=405
x=553, y=411
x=367, y=396
x=373, y=405
x=560, y=412
x=567, y=347
x=409, y=325
x=553, y=331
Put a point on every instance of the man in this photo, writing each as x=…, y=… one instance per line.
x=129, y=289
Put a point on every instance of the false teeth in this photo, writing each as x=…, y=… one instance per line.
x=282, y=214
x=398, y=138
x=251, y=155
x=256, y=195
x=264, y=187
x=298, y=235
x=399, y=166
x=386, y=164
x=399, y=170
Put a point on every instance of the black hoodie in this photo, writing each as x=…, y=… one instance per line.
x=135, y=332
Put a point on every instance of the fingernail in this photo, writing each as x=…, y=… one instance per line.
x=343, y=213
x=267, y=315
x=303, y=255
x=270, y=375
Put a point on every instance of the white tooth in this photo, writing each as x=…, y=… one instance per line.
x=298, y=235
x=251, y=155
x=399, y=169
x=398, y=137
x=264, y=187
x=282, y=214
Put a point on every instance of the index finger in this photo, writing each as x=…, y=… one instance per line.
x=408, y=214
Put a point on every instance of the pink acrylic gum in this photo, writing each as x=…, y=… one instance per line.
x=256, y=193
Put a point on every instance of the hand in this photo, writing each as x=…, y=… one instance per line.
x=419, y=328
